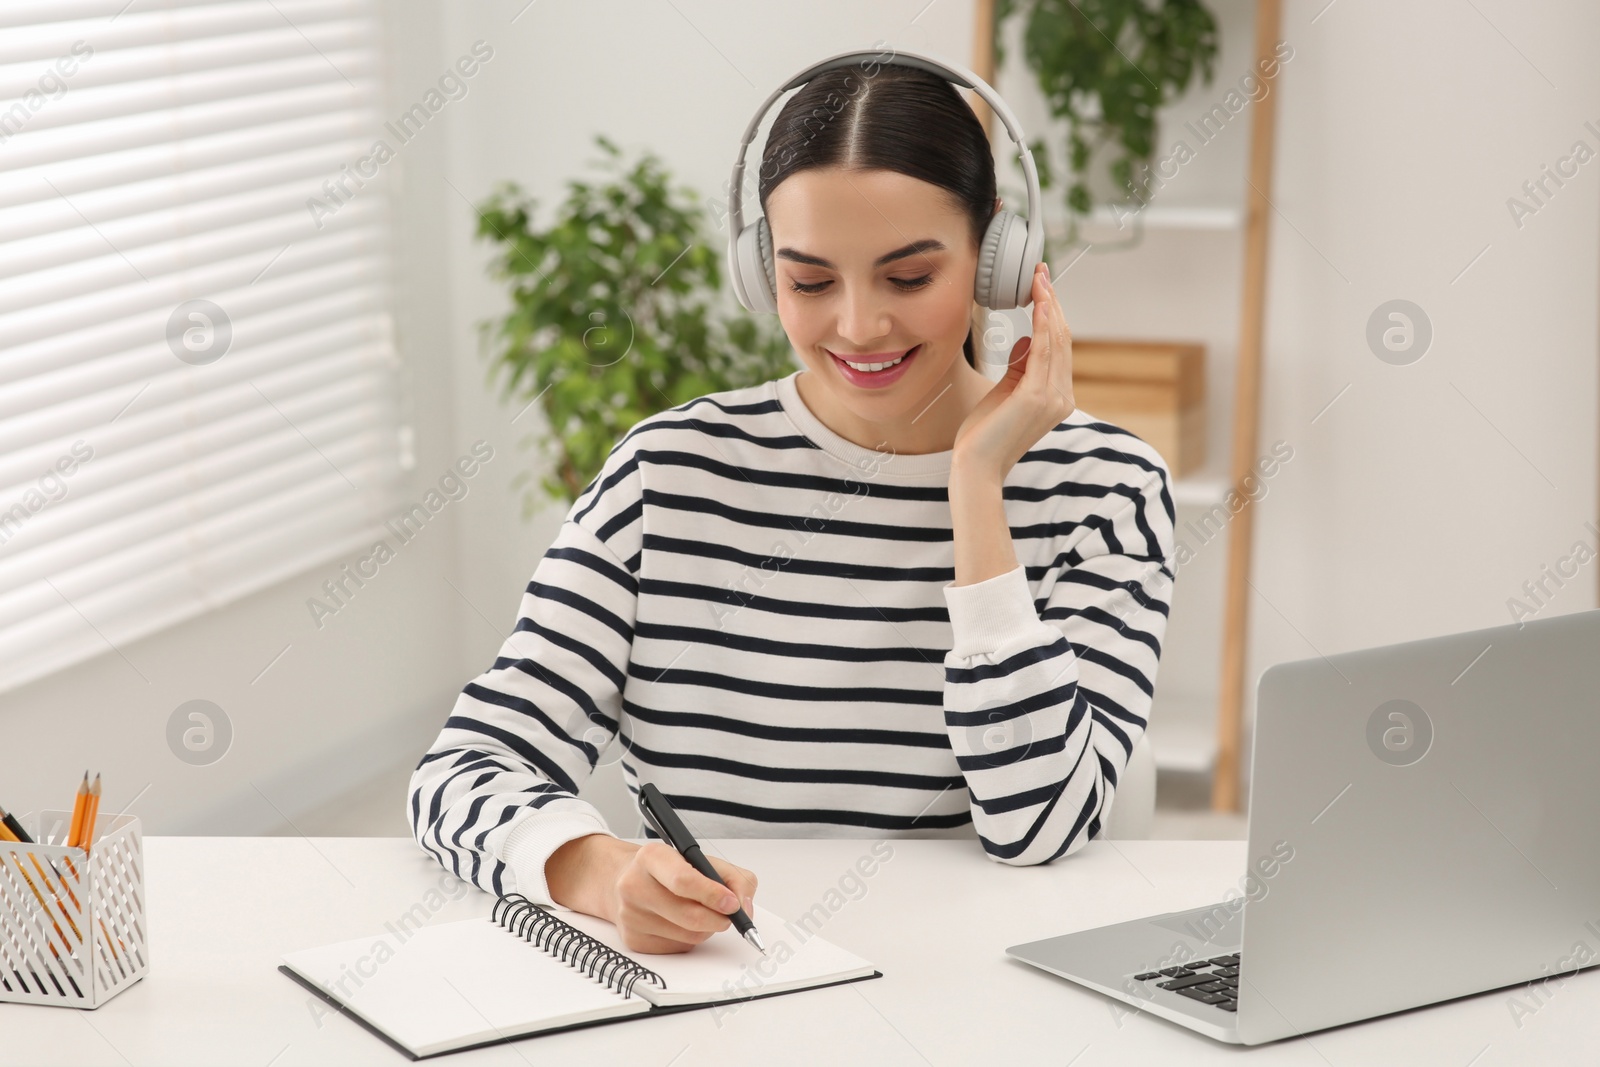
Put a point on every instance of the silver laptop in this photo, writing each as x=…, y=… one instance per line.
x=1423, y=826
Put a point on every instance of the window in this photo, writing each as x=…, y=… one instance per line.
x=198, y=381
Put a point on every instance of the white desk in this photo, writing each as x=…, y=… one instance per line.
x=935, y=919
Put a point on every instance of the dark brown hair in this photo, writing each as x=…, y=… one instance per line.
x=873, y=116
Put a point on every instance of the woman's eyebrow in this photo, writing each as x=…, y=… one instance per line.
x=927, y=244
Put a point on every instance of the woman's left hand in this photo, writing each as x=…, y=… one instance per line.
x=1032, y=398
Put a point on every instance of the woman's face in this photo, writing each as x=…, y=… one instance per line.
x=871, y=266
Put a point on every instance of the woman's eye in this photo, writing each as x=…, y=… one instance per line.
x=907, y=284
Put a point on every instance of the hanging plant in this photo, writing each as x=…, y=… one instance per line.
x=1107, y=67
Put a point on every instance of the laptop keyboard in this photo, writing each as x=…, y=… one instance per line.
x=1214, y=981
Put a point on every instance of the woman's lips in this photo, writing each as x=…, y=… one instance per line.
x=875, y=357
x=875, y=379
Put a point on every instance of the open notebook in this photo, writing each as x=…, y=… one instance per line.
x=527, y=970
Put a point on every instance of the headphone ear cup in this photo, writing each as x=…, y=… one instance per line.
x=769, y=270
x=753, y=281
x=1004, y=279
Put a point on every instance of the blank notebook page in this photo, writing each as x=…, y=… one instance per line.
x=725, y=965
x=459, y=983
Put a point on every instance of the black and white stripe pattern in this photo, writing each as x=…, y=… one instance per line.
x=766, y=611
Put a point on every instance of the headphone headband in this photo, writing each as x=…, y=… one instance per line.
x=1031, y=248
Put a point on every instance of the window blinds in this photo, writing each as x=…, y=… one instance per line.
x=198, y=382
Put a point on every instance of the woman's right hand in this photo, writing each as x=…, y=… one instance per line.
x=649, y=892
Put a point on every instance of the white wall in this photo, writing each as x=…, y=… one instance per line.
x=1402, y=129
x=1424, y=498
x=339, y=705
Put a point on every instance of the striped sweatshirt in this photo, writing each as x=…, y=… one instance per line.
x=765, y=612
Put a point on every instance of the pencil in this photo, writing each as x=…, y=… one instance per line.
x=11, y=830
x=89, y=817
x=7, y=834
x=78, y=807
x=90, y=813
x=10, y=823
x=59, y=933
x=103, y=930
x=14, y=826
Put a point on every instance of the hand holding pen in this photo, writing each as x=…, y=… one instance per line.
x=665, y=822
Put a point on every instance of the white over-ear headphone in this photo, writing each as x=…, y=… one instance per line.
x=1011, y=248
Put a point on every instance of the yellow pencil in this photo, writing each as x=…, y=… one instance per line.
x=79, y=806
x=59, y=933
x=103, y=930
x=7, y=822
x=90, y=813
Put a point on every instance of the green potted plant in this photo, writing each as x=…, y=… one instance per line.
x=612, y=315
x=1107, y=67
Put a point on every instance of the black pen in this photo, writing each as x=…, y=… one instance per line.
x=665, y=821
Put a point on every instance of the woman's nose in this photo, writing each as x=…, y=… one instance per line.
x=862, y=319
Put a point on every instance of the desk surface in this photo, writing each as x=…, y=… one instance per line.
x=935, y=918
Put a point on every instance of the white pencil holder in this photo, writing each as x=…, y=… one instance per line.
x=72, y=924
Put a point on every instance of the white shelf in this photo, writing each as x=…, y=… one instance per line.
x=1199, y=490
x=1106, y=217
x=1184, y=735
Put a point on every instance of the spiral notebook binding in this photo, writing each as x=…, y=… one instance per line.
x=572, y=946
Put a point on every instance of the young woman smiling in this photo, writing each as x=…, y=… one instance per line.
x=879, y=597
x=908, y=310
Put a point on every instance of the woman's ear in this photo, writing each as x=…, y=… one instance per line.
x=997, y=203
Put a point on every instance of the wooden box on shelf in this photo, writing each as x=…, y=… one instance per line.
x=1153, y=389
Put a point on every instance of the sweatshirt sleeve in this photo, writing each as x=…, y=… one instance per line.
x=496, y=793
x=1044, y=707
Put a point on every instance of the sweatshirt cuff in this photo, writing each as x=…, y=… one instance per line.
x=990, y=614
x=534, y=837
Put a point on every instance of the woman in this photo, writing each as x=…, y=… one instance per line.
x=879, y=597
